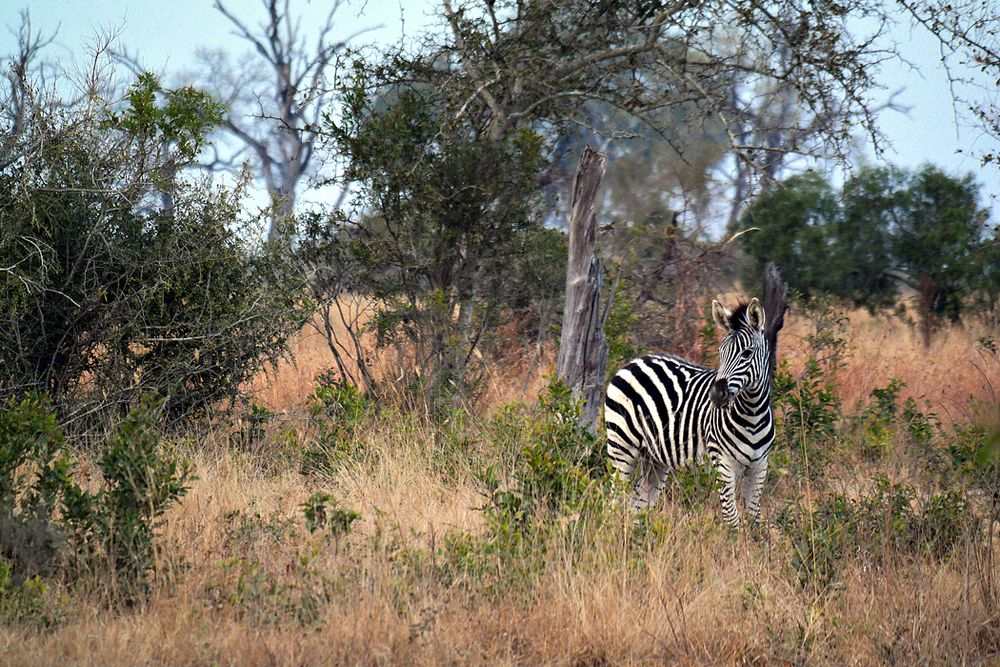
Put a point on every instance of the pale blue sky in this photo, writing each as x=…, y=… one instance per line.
x=166, y=34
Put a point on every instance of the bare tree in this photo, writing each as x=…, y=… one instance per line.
x=20, y=67
x=969, y=34
x=276, y=97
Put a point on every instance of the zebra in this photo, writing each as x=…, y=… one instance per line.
x=662, y=412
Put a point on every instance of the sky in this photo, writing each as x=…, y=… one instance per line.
x=166, y=34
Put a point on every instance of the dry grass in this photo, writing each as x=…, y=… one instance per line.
x=232, y=584
x=695, y=594
x=954, y=377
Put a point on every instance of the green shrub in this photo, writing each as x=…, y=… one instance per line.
x=557, y=478
x=338, y=409
x=34, y=485
x=887, y=519
x=139, y=486
x=973, y=456
x=127, y=277
x=251, y=435
x=47, y=520
x=298, y=589
x=620, y=332
x=885, y=421
x=695, y=484
x=321, y=510
x=808, y=410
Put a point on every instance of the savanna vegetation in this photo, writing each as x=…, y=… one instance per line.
x=233, y=434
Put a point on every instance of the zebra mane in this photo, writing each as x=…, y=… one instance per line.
x=738, y=319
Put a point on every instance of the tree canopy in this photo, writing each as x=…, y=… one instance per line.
x=886, y=228
x=120, y=276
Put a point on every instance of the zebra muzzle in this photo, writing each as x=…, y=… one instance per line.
x=720, y=394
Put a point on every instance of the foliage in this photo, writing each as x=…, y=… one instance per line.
x=886, y=521
x=445, y=144
x=34, y=483
x=338, y=409
x=557, y=476
x=808, y=405
x=620, y=332
x=808, y=410
x=886, y=227
x=321, y=511
x=443, y=238
x=123, y=276
x=139, y=485
x=973, y=455
x=182, y=119
x=300, y=587
x=664, y=273
x=553, y=470
x=792, y=222
x=48, y=520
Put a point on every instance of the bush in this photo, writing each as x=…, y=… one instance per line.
x=126, y=277
x=47, y=520
x=34, y=485
x=139, y=485
x=808, y=410
x=558, y=477
x=886, y=520
x=338, y=409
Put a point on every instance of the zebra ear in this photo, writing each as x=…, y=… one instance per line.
x=755, y=314
x=720, y=316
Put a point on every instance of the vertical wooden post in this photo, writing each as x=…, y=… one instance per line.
x=775, y=305
x=583, y=349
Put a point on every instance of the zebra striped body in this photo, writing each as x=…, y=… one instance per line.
x=662, y=412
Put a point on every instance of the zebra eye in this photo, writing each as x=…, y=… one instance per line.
x=746, y=353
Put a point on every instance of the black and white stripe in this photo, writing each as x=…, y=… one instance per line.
x=662, y=412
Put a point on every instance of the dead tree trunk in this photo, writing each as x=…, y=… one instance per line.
x=583, y=349
x=775, y=305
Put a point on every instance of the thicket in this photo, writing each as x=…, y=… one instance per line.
x=123, y=275
x=58, y=528
x=887, y=228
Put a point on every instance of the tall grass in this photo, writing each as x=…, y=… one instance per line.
x=441, y=568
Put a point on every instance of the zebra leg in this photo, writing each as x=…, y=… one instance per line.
x=751, y=487
x=728, y=477
x=648, y=486
x=623, y=456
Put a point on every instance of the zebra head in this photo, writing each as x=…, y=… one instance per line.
x=742, y=353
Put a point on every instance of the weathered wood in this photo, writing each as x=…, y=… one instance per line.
x=583, y=348
x=775, y=305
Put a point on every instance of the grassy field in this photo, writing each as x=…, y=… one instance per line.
x=487, y=537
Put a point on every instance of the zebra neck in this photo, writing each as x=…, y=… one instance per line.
x=754, y=401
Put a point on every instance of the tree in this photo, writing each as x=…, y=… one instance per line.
x=583, y=348
x=106, y=294
x=886, y=228
x=445, y=141
x=969, y=33
x=275, y=97
x=793, y=224
x=442, y=222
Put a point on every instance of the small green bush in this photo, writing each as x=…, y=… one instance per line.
x=808, y=410
x=887, y=519
x=338, y=409
x=886, y=421
x=298, y=589
x=557, y=478
x=321, y=510
x=34, y=486
x=47, y=520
